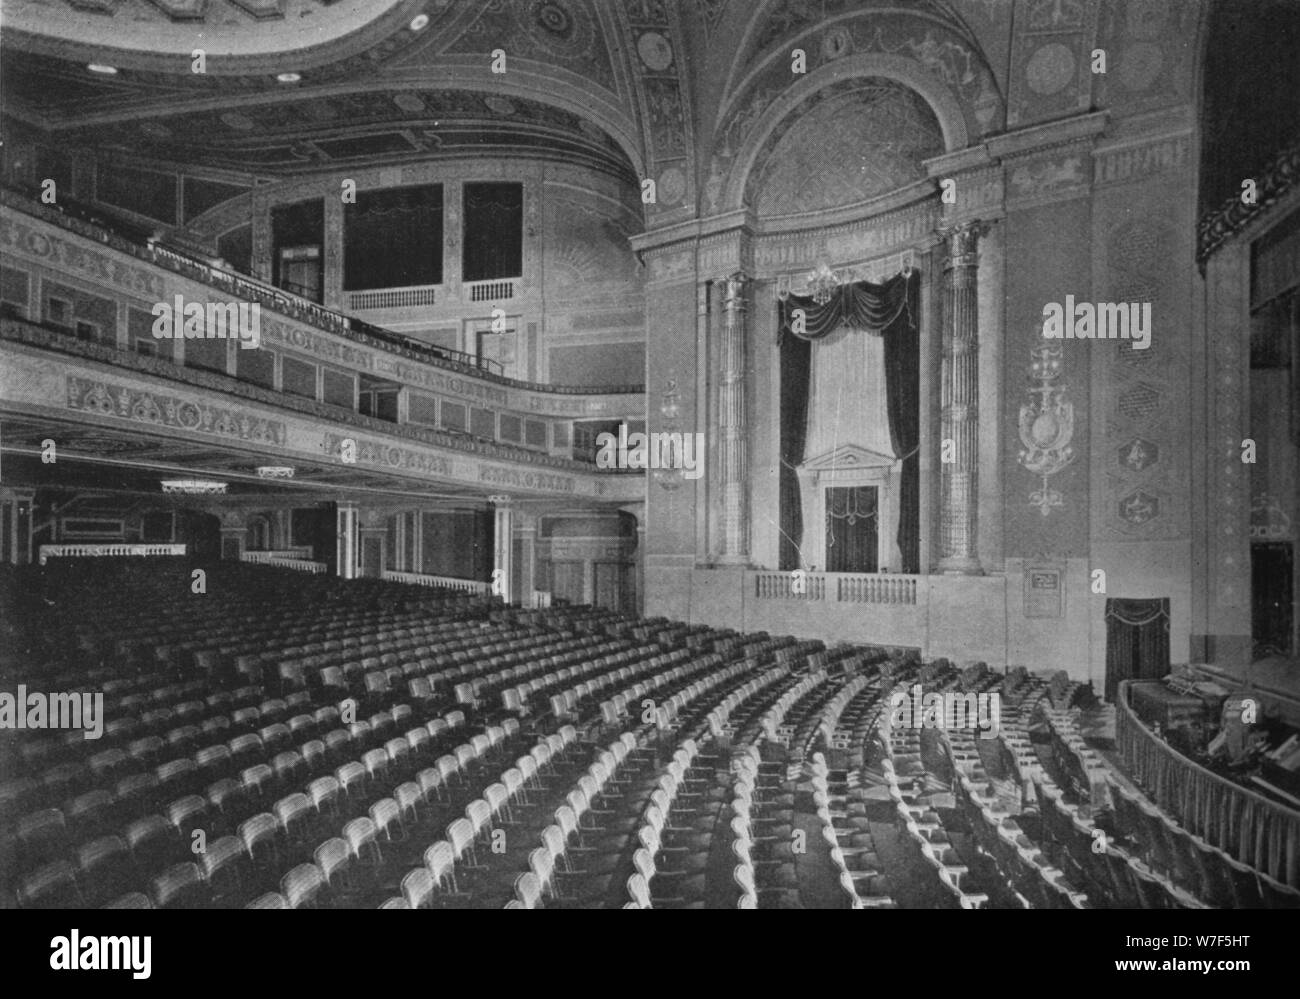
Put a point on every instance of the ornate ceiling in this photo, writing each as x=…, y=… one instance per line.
x=687, y=92
x=369, y=126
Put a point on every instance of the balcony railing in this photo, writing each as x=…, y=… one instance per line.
x=490, y=291
x=297, y=564
x=111, y=551
x=393, y=298
x=130, y=240
x=15, y=327
x=1255, y=830
x=93, y=225
x=278, y=553
x=441, y=582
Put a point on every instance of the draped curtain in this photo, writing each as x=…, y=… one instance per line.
x=393, y=239
x=1137, y=641
x=494, y=231
x=887, y=310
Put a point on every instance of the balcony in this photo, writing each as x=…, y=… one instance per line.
x=431, y=396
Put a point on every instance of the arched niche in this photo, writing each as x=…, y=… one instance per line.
x=849, y=142
x=900, y=69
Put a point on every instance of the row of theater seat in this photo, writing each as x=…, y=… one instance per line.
x=846, y=829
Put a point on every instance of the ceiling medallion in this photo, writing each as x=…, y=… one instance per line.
x=197, y=487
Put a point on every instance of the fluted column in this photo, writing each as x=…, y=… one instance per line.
x=346, y=541
x=733, y=460
x=959, y=422
x=503, y=547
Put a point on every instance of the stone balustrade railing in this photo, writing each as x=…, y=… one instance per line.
x=107, y=550
x=445, y=582
x=836, y=587
x=297, y=564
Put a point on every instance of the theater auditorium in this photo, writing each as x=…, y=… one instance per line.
x=651, y=454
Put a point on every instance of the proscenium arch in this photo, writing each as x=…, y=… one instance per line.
x=904, y=70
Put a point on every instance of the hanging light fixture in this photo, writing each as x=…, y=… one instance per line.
x=198, y=487
x=275, y=471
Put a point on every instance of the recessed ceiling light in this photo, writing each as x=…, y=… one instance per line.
x=99, y=67
x=420, y=22
x=289, y=77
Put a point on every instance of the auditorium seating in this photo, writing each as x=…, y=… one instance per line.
x=289, y=741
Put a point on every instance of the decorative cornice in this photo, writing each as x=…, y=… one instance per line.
x=1040, y=138
x=1230, y=218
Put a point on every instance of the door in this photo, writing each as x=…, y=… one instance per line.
x=852, y=525
x=566, y=582
x=1271, y=597
x=1137, y=641
x=372, y=555
x=609, y=585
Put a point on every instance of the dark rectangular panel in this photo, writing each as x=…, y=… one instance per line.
x=393, y=238
x=453, y=416
x=340, y=388
x=298, y=377
x=422, y=409
x=493, y=237
x=483, y=423
x=256, y=366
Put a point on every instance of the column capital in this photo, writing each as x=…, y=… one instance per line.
x=733, y=290
x=500, y=499
x=961, y=241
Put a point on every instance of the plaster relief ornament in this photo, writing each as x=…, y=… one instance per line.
x=1046, y=427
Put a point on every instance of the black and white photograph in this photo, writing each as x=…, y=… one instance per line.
x=651, y=454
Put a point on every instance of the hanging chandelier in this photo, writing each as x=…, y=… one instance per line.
x=200, y=487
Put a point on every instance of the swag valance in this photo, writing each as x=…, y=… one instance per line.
x=1137, y=612
x=872, y=308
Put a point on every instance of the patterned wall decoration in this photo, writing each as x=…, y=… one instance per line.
x=1142, y=440
x=163, y=410
x=562, y=32
x=1051, y=75
x=369, y=452
x=710, y=13
x=586, y=250
x=1046, y=427
x=1149, y=64
x=1051, y=178
x=654, y=29
x=846, y=143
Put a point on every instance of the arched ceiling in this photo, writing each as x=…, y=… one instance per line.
x=680, y=91
x=367, y=126
x=380, y=79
